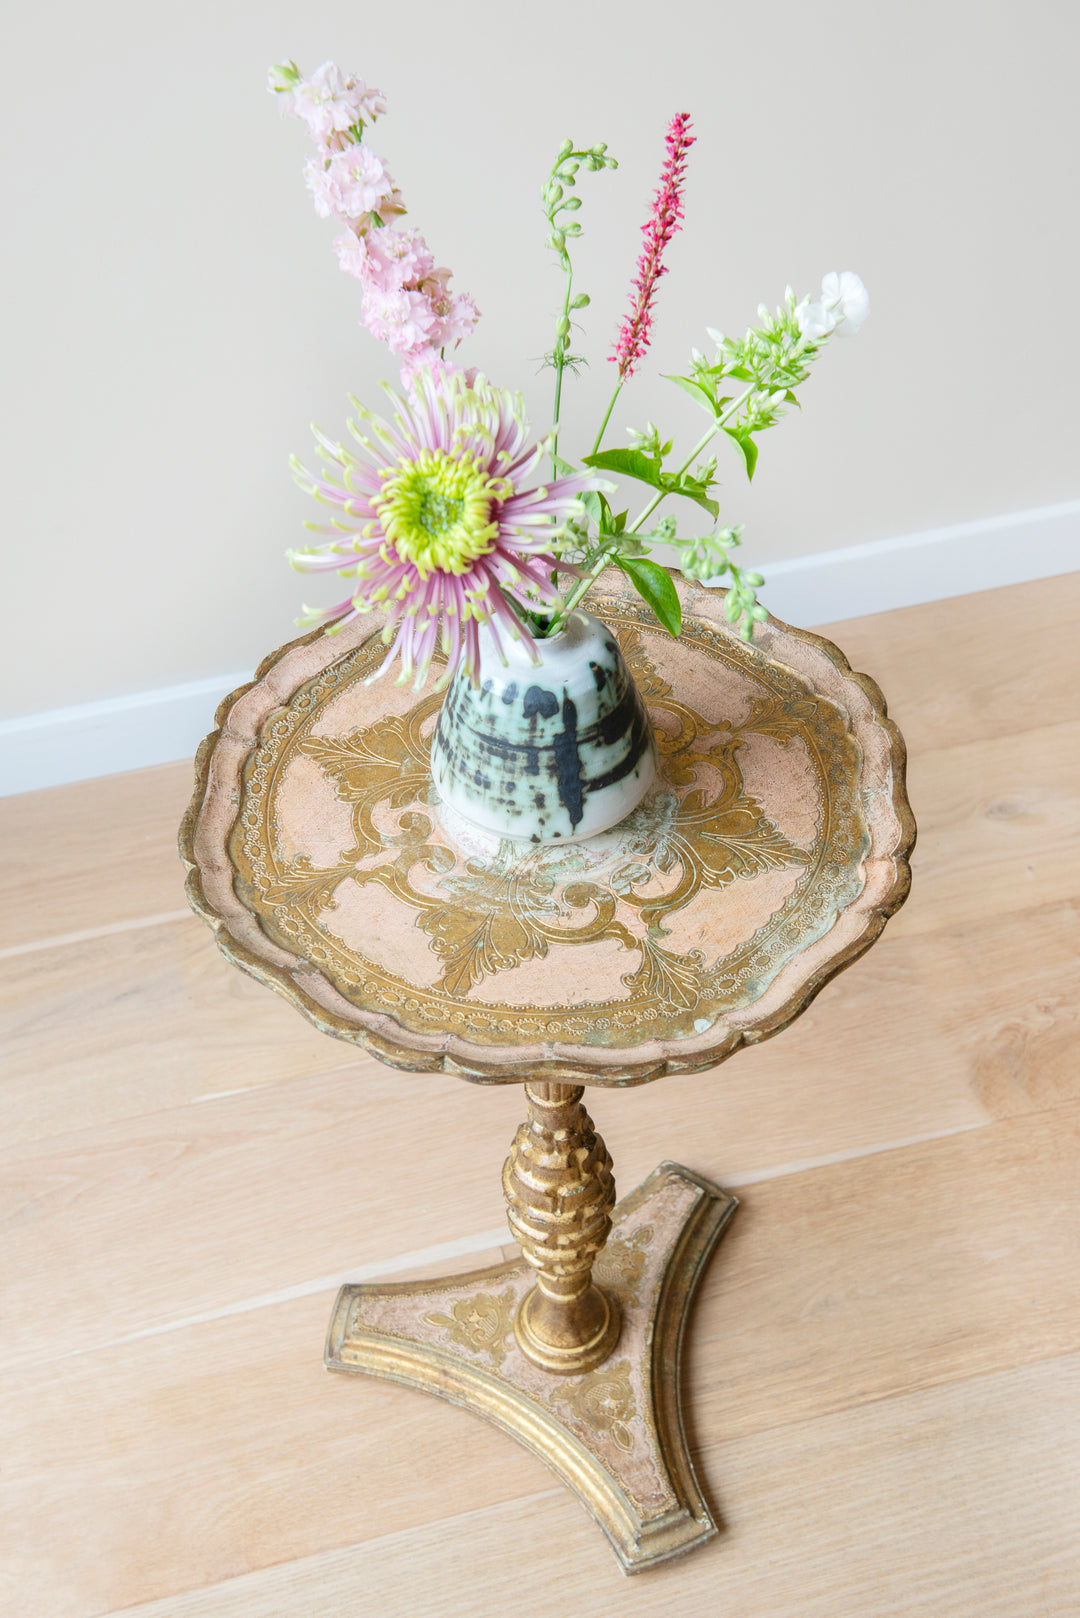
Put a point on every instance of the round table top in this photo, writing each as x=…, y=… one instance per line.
x=768, y=857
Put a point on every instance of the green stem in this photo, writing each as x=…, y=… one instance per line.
x=562, y=342
x=607, y=418
x=701, y=444
x=585, y=584
x=578, y=591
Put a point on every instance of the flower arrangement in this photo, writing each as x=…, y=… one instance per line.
x=446, y=520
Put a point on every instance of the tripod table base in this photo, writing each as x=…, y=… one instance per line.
x=613, y=1435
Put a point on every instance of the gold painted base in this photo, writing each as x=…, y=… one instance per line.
x=614, y=1435
x=567, y=1360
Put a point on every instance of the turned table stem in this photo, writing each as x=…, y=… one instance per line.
x=560, y=1193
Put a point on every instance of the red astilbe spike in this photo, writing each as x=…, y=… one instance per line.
x=664, y=220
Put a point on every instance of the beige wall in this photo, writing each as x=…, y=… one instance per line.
x=176, y=316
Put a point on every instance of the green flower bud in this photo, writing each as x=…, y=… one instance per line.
x=562, y=326
x=565, y=149
x=283, y=76
x=581, y=301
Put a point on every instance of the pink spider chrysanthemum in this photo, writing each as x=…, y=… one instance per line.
x=447, y=516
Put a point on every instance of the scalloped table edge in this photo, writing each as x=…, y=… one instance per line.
x=380, y=1034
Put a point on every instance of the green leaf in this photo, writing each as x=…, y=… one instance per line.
x=692, y=489
x=746, y=448
x=630, y=462
x=563, y=468
x=697, y=391
x=597, y=507
x=653, y=584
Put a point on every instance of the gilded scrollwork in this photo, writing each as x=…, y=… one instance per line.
x=484, y=916
x=604, y=1400
x=620, y=1266
x=482, y=1323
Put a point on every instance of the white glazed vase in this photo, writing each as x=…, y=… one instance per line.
x=550, y=752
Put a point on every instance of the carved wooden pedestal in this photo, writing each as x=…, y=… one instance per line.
x=560, y=1194
x=613, y=1433
x=768, y=857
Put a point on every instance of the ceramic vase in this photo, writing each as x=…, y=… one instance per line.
x=555, y=751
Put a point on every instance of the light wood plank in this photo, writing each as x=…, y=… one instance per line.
x=989, y=664
x=140, y=1021
x=192, y=1457
x=898, y=1510
x=278, y=1185
x=885, y=1274
x=1008, y=996
x=92, y=853
x=187, y=1211
x=209, y=1451
x=1009, y=806
x=295, y=1173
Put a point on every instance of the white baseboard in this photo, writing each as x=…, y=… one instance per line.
x=104, y=738
x=930, y=566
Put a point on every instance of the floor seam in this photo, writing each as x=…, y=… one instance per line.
x=89, y=934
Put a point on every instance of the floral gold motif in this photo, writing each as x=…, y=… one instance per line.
x=620, y=1266
x=604, y=1401
x=482, y=1323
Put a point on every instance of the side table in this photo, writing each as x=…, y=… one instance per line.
x=768, y=859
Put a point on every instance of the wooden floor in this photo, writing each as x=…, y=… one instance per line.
x=883, y=1369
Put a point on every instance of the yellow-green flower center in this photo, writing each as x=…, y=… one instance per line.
x=436, y=510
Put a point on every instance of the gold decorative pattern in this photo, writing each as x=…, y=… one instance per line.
x=621, y=1265
x=604, y=1401
x=485, y=916
x=791, y=691
x=482, y=1323
x=614, y=1436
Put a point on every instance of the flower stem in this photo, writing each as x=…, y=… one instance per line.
x=584, y=584
x=562, y=343
x=607, y=417
x=701, y=444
